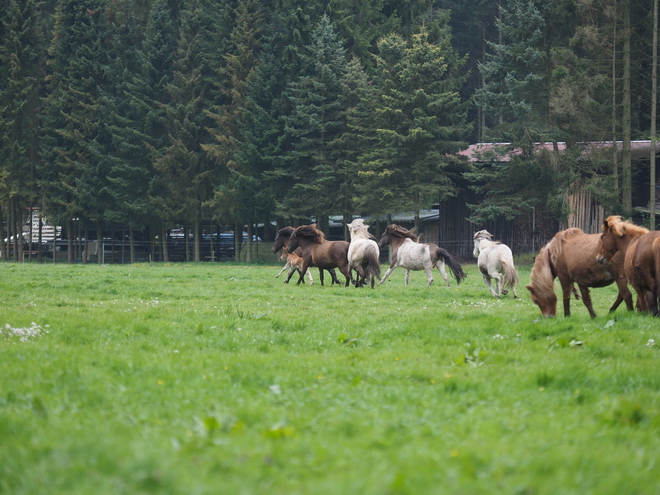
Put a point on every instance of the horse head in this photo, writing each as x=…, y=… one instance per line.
x=541, y=285
x=482, y=235
x=394, y=231
x=358, y=228
x=616, y=233
x=282, y=239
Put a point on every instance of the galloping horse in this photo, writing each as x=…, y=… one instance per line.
x=495, y=261
x=413, y=255
x=363, y=253
x=319, y=252
x=571, y=257
x=293, y=260
x=641, y=250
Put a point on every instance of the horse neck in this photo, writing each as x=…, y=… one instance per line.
x=624, y=241
x=397, y=241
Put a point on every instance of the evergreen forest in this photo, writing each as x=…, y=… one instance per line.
x=152, y=114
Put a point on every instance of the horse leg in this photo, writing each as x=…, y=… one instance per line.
x=302, y=271
x=489, y=283
x=428, y=268
x=292, y=270
x=346, y=270
x=282, y=270
x=309, y=276
x=321, y=275
x=440, y=265
x=407, y=277
x=586, y=299
x=387, y=274
x=567, y=289
x=333, y=275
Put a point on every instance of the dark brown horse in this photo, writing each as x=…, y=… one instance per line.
x=571, y=257
x=319, y=252
x=294, y=261
x=413, y=255
x=641, y=249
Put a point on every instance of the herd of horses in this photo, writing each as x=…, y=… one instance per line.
x=625, y=254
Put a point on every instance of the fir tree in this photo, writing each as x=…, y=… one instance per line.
x=21, y=73
x=420, y=121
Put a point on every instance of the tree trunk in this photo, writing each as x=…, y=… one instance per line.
x=238, y=238
x=654, y=103
x=69, y=240
x=131, y=240
x=626, y=159
x=4, y=252
x=250, y=232
x=166, y=250
x=197, y=236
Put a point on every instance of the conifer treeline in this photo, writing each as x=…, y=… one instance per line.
x=153, y=113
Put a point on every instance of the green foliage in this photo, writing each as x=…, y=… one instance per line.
x=222, y=379
x=419, y=121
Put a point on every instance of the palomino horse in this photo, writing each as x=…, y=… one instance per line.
x=495, y=262
x=413, y=255
x=319, y=252
x=363, y=253
x=641, y=250
x=293, y=260
x=571, y=257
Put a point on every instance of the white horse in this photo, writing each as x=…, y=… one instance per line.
x=413, y=255
x=363, y=253
x=495, y=262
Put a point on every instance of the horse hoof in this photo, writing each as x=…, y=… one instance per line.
x=505, y=292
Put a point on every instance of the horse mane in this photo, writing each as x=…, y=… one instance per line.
x=620, y=227
x=541, y=277
x=483, y=234
x=399, y=231
x=359, y=229
x=310, y=232
x=286, y=231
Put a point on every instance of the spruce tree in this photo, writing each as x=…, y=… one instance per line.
x=316, y=119
x=420, y=121
x=75, y=130
x=21, y=73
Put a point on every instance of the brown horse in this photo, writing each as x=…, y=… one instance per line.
x=319, y=252
x=413, y=255
x=641, y=249
x=294, y=261
x=571, y=257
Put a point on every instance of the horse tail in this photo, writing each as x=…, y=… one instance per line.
x=453, y=264
x=510, y=274
x=373, y=263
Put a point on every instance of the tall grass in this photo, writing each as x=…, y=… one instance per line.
x=218, y=378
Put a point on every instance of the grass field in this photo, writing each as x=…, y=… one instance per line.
x=220, y=379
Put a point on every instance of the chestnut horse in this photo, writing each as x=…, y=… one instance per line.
x=413, y=255
x=571, y=257
x=294, y=260
x=641, y=250
x=319, y=252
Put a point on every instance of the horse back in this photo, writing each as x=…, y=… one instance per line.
x=574, y=259
x=330, y=253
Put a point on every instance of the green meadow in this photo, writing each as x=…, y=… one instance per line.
x=220, y=379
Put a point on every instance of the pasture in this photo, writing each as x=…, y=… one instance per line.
x=220, y=379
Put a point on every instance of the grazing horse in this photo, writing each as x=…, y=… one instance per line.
x=571, y=257
x=363, y=253
x=495, y=262
x=641, y=251
x=319, y=252
x=413, y=255
x=294, y=261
